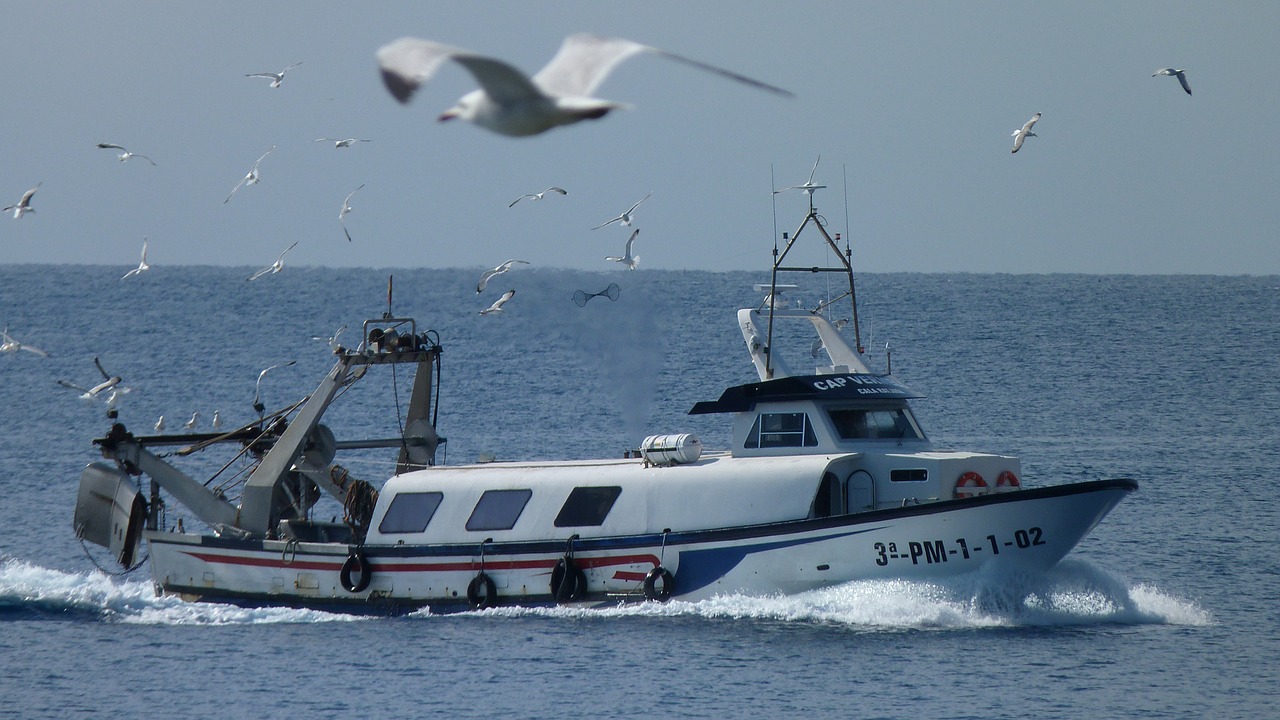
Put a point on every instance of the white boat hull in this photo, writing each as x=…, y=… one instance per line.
x=1027, y=530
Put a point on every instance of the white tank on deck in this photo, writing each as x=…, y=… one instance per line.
x=671, y=449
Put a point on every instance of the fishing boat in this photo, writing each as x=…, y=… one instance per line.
x=830, y=478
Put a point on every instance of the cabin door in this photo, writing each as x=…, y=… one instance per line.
x=860, y=491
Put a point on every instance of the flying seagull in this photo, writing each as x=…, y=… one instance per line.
x=488, y=274
x=276, y=78
x=274, y=267
x=332, y=340
x=9, y=344
x=341, y=142
x=251, y=178
x=124, y=154
x=512, y=103
x=538, y=196
x=23, y=206
x=624, y=218
x=496, y=307
x=346, y=208
x=1180, y=74
x=109, y=382
x=1024, y=132
x=142, y=266
x=631, y=261
x=808, y=187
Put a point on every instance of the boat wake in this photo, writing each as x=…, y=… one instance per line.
x=32, y=592
x=1072, y=593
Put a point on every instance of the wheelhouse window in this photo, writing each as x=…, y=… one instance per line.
x=892, y=424
x=773, y=430
x=587, y=506
x=498, y=509
x=410, y=512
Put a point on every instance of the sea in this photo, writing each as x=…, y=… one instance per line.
x=1168, y=609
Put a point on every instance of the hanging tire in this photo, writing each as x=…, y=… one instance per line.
x=568, y=582
x=482, y=593
x=356, y=573
x=658, y=584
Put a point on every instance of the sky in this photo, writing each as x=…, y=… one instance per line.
x=910, y=106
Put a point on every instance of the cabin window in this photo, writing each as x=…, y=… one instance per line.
x=498, y=509
x=772, y=430
x=912, y=475
x=893, y=424
x=587, y=506
x=410, y=512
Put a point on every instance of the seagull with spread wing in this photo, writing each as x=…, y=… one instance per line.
x=342, y=142
x=631, y=261
x=346, y=208
x=10, y=344
x=1180, y=74
x=496, y=307
x=142, y=266
x=807, y=187
x=509, y=102
x=23, y=206
x=1024, y=132
x=625, y=217
x=489, y=274
x=124, y=154
x=276, y=78
x=538, y=196
x=250, y=178
x=274, y=267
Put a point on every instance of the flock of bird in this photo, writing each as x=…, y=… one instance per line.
x=1024, y=132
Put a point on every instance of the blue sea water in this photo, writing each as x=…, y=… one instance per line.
x=1167, y=610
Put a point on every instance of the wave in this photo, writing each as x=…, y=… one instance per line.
x=30, y=591
x=1072, y=593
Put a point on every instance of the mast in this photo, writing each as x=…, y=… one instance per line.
x=846, y=266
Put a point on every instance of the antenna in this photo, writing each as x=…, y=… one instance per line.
x=387, y=315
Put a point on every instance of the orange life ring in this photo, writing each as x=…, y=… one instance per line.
x=970, y=485
x=1008, y=481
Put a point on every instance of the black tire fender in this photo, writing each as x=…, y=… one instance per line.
x=568, y=581
x=356, y=573
x=655, y=591
x=482, y=592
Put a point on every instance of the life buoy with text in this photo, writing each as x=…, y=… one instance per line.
x=1007, y=481
x=356, y=573
x=482, y=592
x=568, y=582
x=658, y=584
x=970, y=485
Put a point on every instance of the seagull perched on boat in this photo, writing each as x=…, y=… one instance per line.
x=631, y=261
x=274, y=267
x=276, y=78
x=217, y=420
x=9, y=344
x=124, y=154
x=1180, y=74
x=341, y=142
x=512, y=103
x=23, y=206
x=346, y=208
x=193, y=422
x=1024, y=132
x=808, y=187
x=538, y=196
x=142, y=266
x=488, y=274
x=159, y=426
x=250, y=178
x=109, y=382
x=625, y=218
x=496, y=307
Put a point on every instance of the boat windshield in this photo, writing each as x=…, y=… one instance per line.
x=863, y=424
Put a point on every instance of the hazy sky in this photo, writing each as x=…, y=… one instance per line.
x=913, y=103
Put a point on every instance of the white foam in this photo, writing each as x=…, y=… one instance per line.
x=23, y=585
